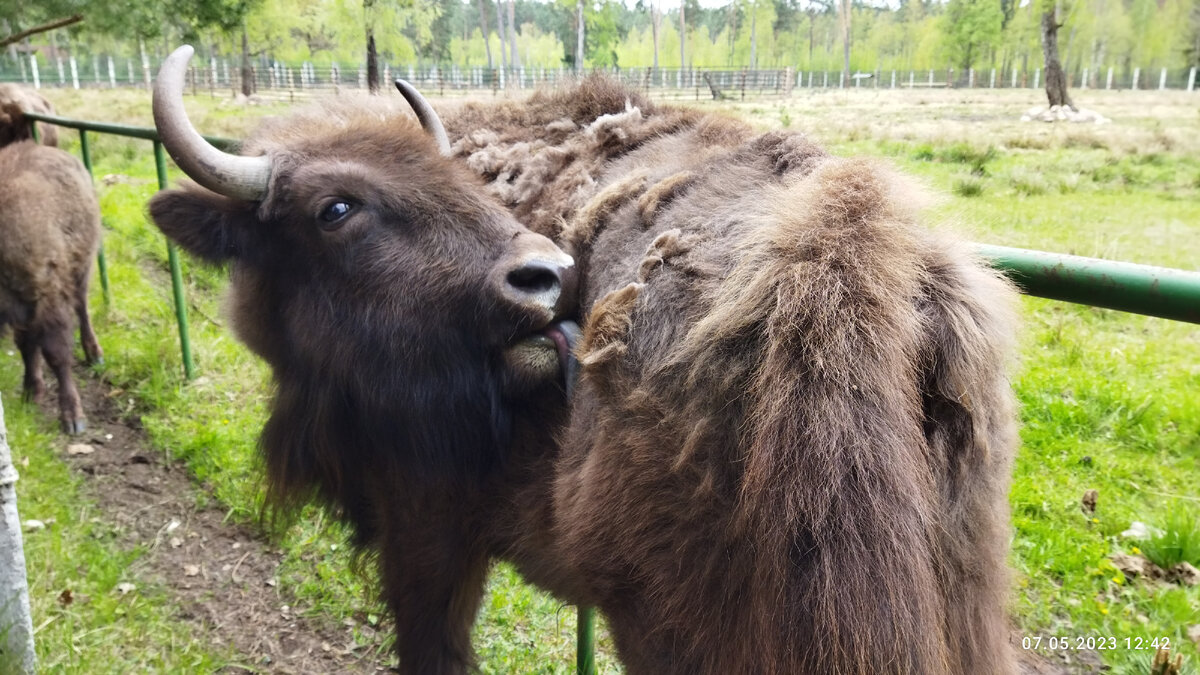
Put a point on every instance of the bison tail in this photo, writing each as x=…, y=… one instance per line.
x=841, y=495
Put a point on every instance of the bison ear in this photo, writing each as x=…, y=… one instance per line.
x=207, y=225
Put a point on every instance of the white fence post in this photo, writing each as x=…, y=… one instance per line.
x=970, y=78
x=37, y=80
x=1162, y=80
x=62, y=75
x=112, y=74
x=1137, y=74
x=74, y=73
x=1108, y=79
x=1083, y=84
x=16, y=638
x=1037, y=76
x=1014, y=80
x=1192, y=79
x=992, y=83
x=893, y=79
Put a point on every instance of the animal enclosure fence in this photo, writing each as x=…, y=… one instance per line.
x=271, y=78
x=1144, y=289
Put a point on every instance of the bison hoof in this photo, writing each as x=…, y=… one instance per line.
x=74, y=427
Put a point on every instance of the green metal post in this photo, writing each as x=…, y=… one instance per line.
x=101, y=261
x=35, y=132
x=1142, y=289
x=160, y=163
x=585, y=641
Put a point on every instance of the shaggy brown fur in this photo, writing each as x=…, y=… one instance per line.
x=788, y=450
x=404, y=343
x=49, y=234
x=15, y=101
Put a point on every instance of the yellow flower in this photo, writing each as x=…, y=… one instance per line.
x=1095, y=520
x=1118, y=580
x=1104, y=610
x=1135, y=550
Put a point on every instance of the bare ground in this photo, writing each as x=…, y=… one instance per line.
x=223, y=576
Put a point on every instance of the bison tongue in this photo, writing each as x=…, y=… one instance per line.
x=565, y=335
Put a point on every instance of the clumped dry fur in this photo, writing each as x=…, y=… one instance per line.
x=789, y=448
x=49, y=235
x=15, y=101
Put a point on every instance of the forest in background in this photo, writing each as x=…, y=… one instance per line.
x=802, y=34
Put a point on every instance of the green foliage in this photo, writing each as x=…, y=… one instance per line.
x=968, y=187
x=908, y=36
x=969, y=29
x=1175, y=538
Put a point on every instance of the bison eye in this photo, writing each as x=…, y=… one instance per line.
x=332, y=215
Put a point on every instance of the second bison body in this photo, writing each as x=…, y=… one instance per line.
x=49, y=235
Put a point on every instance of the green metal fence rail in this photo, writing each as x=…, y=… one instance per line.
x=1128, y=287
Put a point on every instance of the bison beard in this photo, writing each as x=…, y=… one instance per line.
x=789, y=447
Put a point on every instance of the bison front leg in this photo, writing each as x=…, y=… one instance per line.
x=433, y=584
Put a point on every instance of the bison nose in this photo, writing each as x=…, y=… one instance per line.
x=541, y=281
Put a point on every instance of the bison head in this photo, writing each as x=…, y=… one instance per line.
x=403, y=311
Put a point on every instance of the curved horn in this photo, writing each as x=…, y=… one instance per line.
x=231, y=175
x=429, y=118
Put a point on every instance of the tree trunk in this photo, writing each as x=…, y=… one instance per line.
x=655, y=19
x=682, y=37
x=487, y=44
x=754, y=36
x=247, y=72
x=846, y=42
x=579, y=40
x=1056, y=81
x=16, y=640
x=500, y=33
x=372, y=63
x=515, y=59
x=812, y=20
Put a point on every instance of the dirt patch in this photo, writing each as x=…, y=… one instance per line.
x=223, y=576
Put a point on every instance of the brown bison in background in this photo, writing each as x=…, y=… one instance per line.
x=789, y=447
x=15, y=101
x=49, y=234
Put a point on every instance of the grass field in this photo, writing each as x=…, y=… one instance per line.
x=1110, y=401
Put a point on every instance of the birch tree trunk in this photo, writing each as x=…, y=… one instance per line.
x=515, y=59
x=16, y=625
x=579, y=40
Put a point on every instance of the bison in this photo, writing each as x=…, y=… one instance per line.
x=49, y=234
x=789, y=443
x=15, y=101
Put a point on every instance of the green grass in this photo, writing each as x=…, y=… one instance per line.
x=102, y=630
x=1109, y=401
x=1176, y=537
